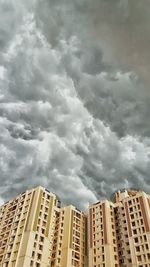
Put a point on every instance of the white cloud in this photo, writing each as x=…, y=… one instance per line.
x=68, y=120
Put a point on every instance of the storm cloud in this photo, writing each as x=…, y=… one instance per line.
x=74, y=97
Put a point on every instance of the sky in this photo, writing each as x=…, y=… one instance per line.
x=74, y=97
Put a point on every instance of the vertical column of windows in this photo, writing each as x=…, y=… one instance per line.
x=98, y=236
x=41, y=227
x=139, y=225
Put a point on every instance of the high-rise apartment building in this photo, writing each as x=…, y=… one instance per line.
x=69, y=239
x=36, y=231
x=102, y=235
x=119, y=231
x=26, y=229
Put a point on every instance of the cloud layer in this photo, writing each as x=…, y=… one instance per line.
x=74, y=105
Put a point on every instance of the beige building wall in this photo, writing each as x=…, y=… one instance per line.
x=70, y=239
x=26, y=226
x=36, y=231
x=119, y=231
x=102, y=235
x=138, y=222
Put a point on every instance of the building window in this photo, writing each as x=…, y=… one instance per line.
x=134, y=231
x=137, y=249
x=31, y=263
x=39, y=256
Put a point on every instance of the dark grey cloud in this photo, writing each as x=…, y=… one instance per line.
x=74, y=103
x=124, y=29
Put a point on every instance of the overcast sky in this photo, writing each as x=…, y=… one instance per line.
x=74, y=97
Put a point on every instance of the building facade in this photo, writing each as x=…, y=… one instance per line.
x=26, y=229
x=69, y=239
x=119, y=231
x=36, y=231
